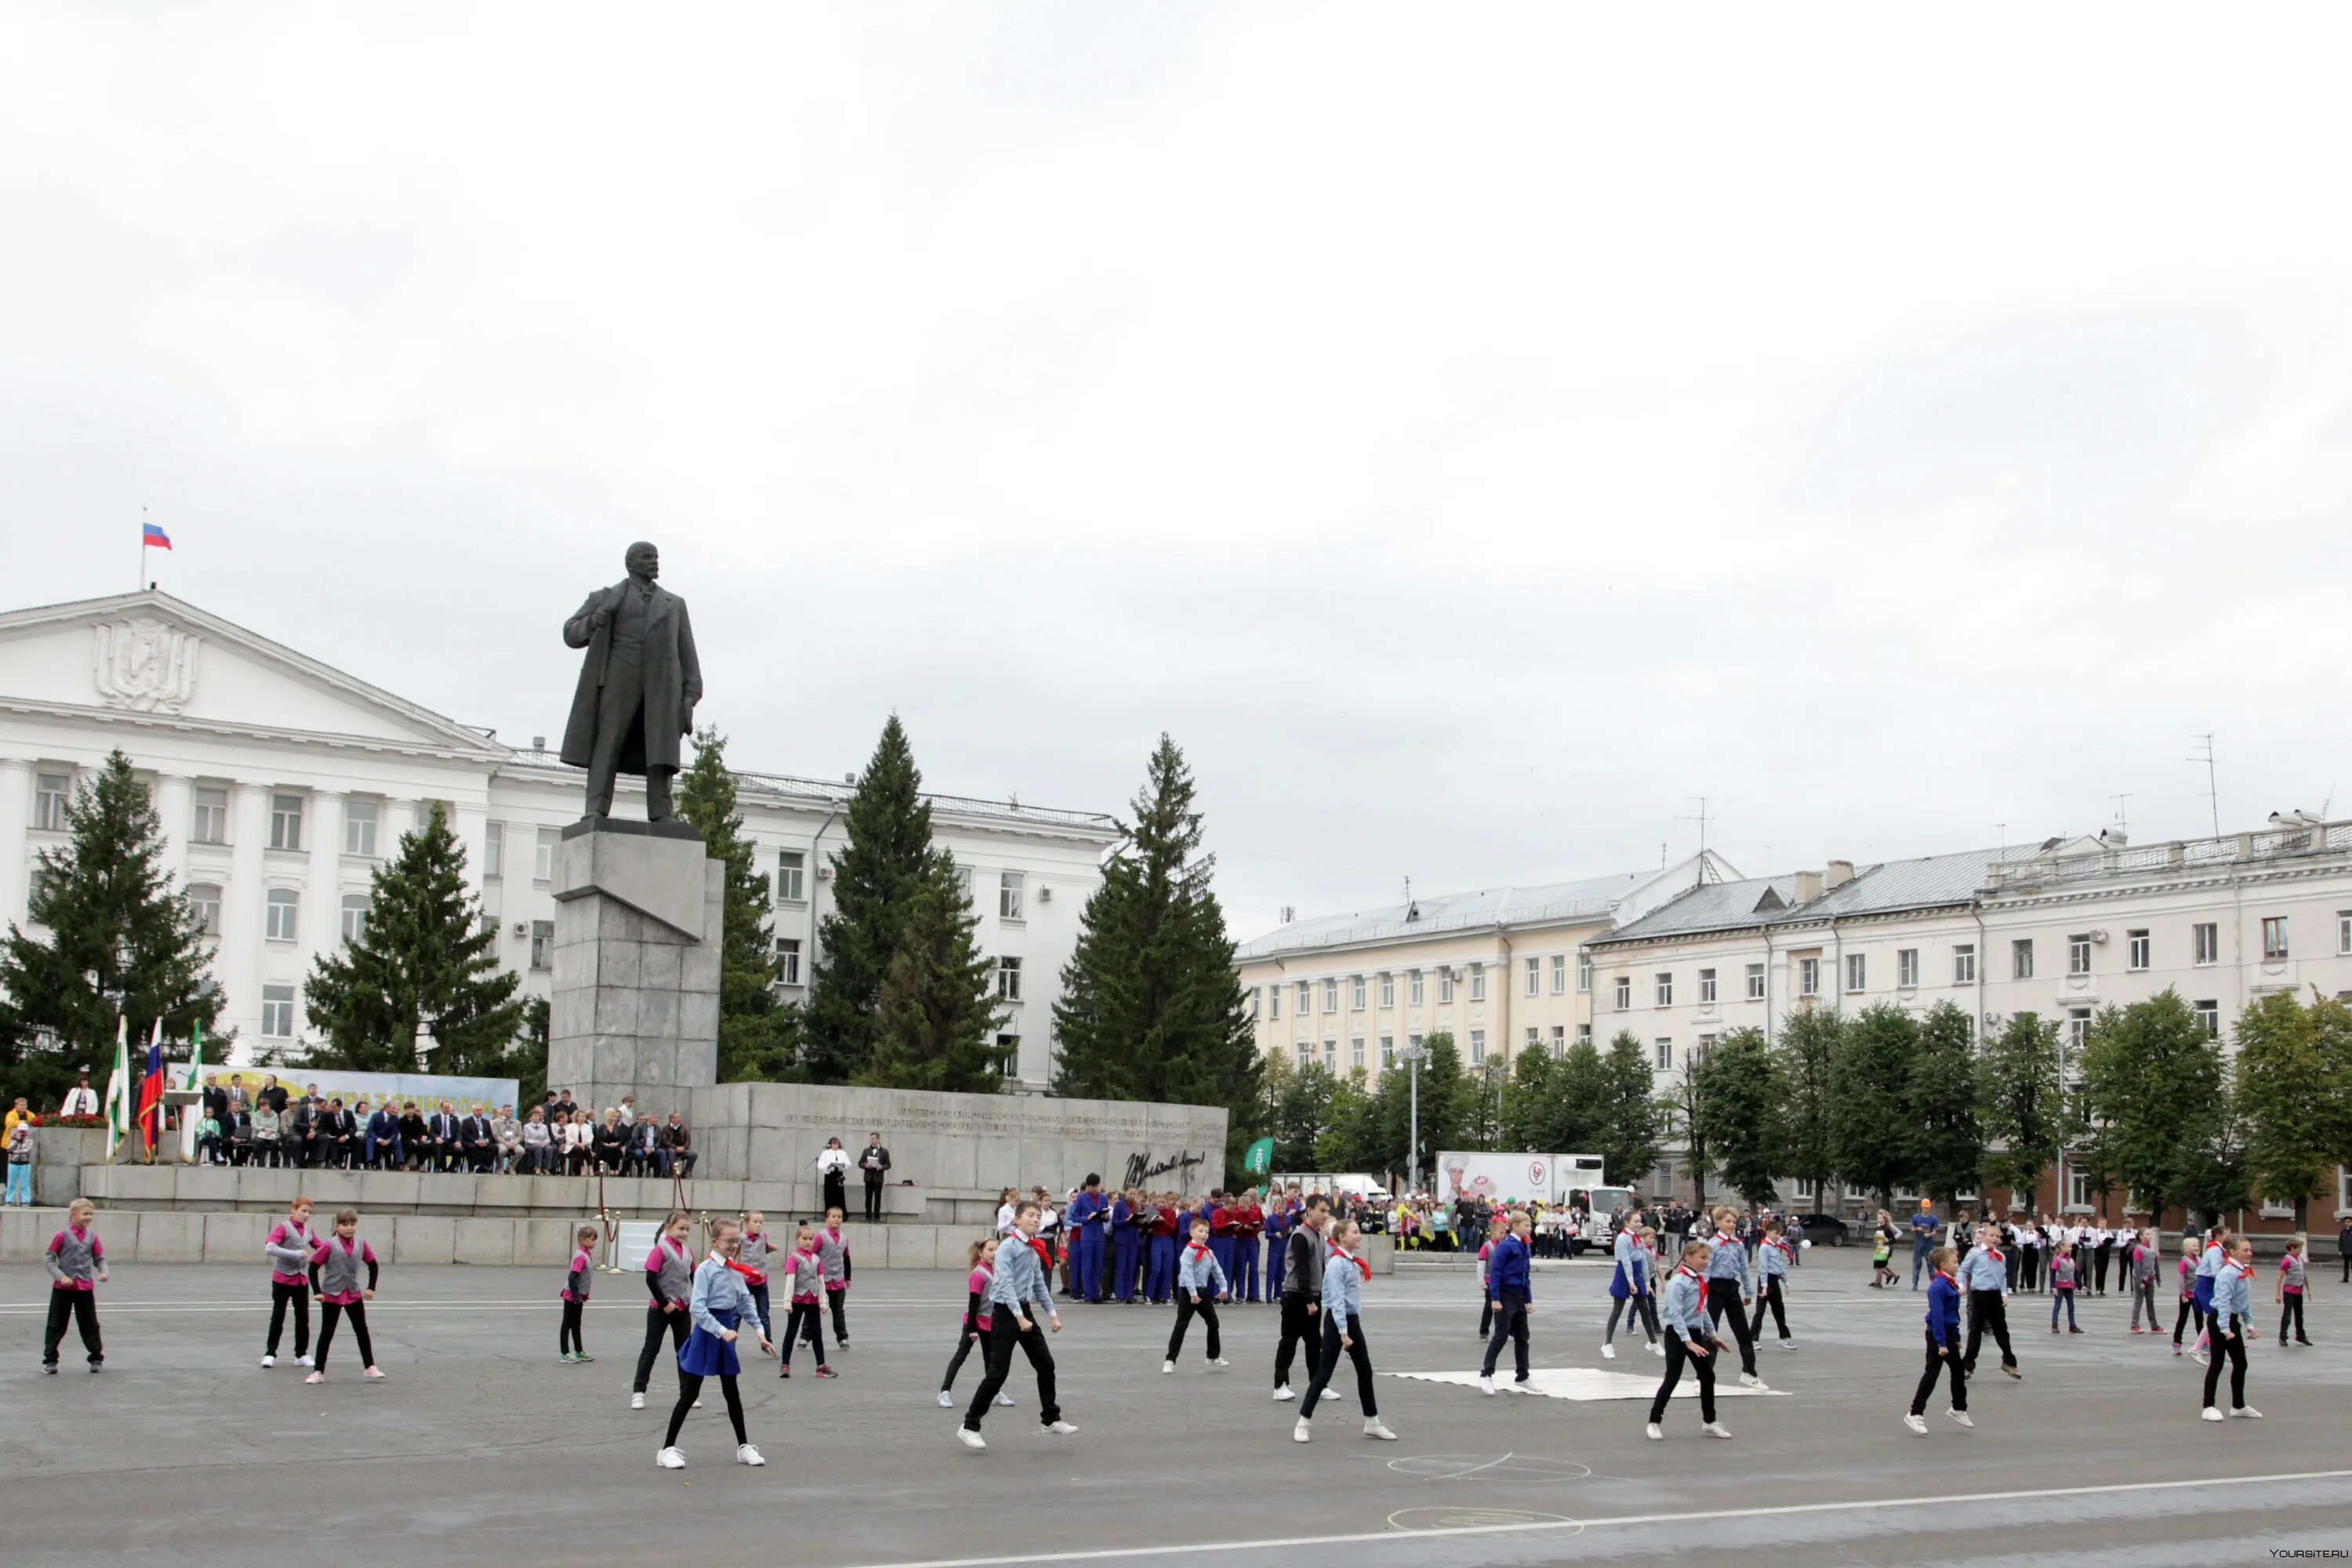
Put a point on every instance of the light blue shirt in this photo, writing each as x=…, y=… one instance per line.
x=1679, y=1308
x=1343, y=1290
x=1771, y=1263
x=718, y=1288
x=1729, y=1261
x=2208, y=1262
x=1200, y=1275
x=1020, y=1278
x=1980, y=1270
x=2233, y=1296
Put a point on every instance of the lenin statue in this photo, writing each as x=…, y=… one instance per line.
x=638, y=689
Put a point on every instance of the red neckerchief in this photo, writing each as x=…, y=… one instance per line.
x=1196, y=1250
x=1044, y=1250
x=1994, y=1253
x=1359, y=1263
x=738, y=1268
x=1687, y=1271
x=1946, y=1276
x=1786, y=1250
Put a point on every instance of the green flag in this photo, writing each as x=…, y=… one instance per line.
x=191, y=1114
x=1260, y=1158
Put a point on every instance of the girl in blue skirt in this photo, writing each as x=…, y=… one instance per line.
x=721, y=1308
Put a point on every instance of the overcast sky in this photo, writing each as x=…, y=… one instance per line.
x=1474, y=434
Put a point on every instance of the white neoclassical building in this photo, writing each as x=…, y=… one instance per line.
x=282, y=782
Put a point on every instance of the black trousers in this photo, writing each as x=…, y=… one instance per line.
x=1942, y=1355
x=874, y=1199
x=81, y=1306
x=2099, y=1256
x=1645, y=1317
x=1988, y=1311
x=1299, y=1325
x=834, y=1299
x=1770, y=1298
x=1702, y=1367
x=803, y=1322
x=567, y=1338
x=2232, y=1345
x=836, y=1196
x=282, y=1296
x=329, y=1312
x=658, y=1323
x=689, y=1389
x=1358, y=1351
x=1005, y=1331
x=2291, y=1311
x=1722, y=1302
x=2189, y=1315
x=1205, y=1308
x=1510, y=1323
x=965, y=1340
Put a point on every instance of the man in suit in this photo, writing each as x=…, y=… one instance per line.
x=300, y=1132
x=677, y=1146
x=338, y=1131
x=382, y=1139
x=874, y=1161
x=442, y=1145
x=638, y=688
x=474, y=1135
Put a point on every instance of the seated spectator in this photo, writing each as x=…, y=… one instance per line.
x=240, y=1137
x=265, y=1151
x=677, y=1143
x=538, y=1144
x=611, y=1142
x=580, y=1143
x=415, y=1139
x=339, y=1131
x=645, y=1156
x=474, y=1137
x=300, y=1127
x=505, y=1140
x=208, y=1140
x=381, y=1150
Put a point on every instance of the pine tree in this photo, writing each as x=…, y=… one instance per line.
x=114, y=924
x=1868, y=1079
x=874, y=874
x=425, y=961
x=1808, y=1048
x=936, y=1021
x=2022, y=1105
x=528, y=1062
x=1941, y=1097
x=1150, y=1006
x=756, y=1030
x=1627, y=1121
x=1739, y=1090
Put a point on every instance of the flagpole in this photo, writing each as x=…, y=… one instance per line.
x=140, y=584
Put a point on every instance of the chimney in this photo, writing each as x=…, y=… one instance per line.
x=539, y=743
x=1840, y=872
x=1809, y=886
x=1288, y=914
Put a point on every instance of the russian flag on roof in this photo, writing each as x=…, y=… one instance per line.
x=154, y=537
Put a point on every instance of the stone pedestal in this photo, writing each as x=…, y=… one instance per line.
x=638, y=914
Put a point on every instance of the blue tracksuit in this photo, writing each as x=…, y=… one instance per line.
x=1126, y=1249
x=1084, y=1221
x=1161, y=1275
x=1221, y=1243
x=1246, y=1250
x=1925, y=1228
x=1278, y=1237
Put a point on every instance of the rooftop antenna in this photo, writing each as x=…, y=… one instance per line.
x=2003, y=828
x=1700, y=818
x=2122, y=824
x=2204, y=743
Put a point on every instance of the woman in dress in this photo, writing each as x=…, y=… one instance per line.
x=833, y=1169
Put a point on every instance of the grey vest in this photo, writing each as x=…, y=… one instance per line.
x=342, y=1273
x=74, y=1257
x=674, y=1271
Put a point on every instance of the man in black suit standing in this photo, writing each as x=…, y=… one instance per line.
x=874, y=1161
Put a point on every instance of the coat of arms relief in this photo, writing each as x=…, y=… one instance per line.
x=144, y=666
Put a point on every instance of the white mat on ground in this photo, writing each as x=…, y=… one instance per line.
x=1592, y=1382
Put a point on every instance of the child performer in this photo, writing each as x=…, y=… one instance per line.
x=1302, y=1293
x=1882, y=1248
x=834, y=1250
x=720, y=1303
x=754, y=1256
x=2289, y=1294
x=1496, y=1229
x=1943, y=1346
x=2145, y=1261
x=335, y=1270
x=1684, y=1307
x=2228, y=1328
x=575, y=1295
x=2190, y=1310
x=1772, y=1261
x=1984, y=1275
x=1510, y=1286
x=2064, y=1277
x=1344, y=1278
x=1200, y=1284
x=805, y=1288
x=1629, y=1282
x=1020, y=1283
x=669, y=1279
x=976, y=1318
x=289, y=1249
x=76, y=1264
x=1126, y=1245
x=1726, y=1290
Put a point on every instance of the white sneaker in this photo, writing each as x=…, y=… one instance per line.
x=747, y=1455
x=636, y=1402
x=1283, y=1396
x=1752, y=1381
x=1219, y=1364
x=1520, y=1385
x=2209, y=1413
x=1005, y=1400
x=947, y=1400
x=1608, y=1352
x=1654, y=1432
x=1917, y=1423
x=1787, y=1344
x=1061, y=1428
x=2197, y=1356
x=316, y=1377
x=670, y=1459
x=969, y=1438
x=1302, y=1432
x=2247, y=1413
x=1715, y=1429
x=1375, y=1430
x=697, y=1404
x=302, y=1361
x=1167, y=1366
x=268, y=1360
x=1961, y=1416
x=1658, y=1350
x=1485, y=1385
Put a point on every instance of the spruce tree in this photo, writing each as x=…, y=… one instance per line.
x=1739, y=1089
x=883, y=859
x=1150, y=1006
x=1576, y=1121
x=755, y=1028
x=2020, y=1105
x=110, y=922
x=425, y=961
x=1941, y=1102
x=935, y=1020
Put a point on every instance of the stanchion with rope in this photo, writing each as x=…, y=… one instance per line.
x=612, y=1227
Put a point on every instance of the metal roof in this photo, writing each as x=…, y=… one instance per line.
x=1443, y=912
x=1929, y=881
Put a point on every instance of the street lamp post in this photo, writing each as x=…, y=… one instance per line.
x=1413, y=1055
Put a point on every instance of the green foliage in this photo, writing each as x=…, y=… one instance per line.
x=1942, y=1096
x=425, y=961
x=113, y=922
x=2154, y=1083
x=528, y=1061
x=1684, y=1108
x=937, y=1015
x=1486, y=1088
x=1737, y=1083
x=883, y=859
x=1870, y=1077
x=1626, y=1125
x=1297, y=1110
x=1527, y=1102
x=1808, y=1049
x=2020, y=1104
x=756, y=1030
x=2294, y=1094
x=1447, y=1097
x=1351, y=1140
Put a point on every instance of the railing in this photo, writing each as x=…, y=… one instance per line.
x=2269, y=846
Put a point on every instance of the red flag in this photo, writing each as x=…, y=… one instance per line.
x=151, y=1090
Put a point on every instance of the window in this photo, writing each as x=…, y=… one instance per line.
x=1559, y=967
x=1388, y=1052
x=1413, y=1042
x=359, y=827
x=1584, y=972
x=1253, y=1002
x=1906, y=968
x=285, y=914
x=1388, y=990
x=1008, y=1054
x=2205, y=942
x=542, y=856
x=1706, y=984
x=2274, y=936
x=1008, y=978
x=792, y=876
x=1356, y=1053
x=1622, y=992
x=1698, y=1052
x=963, y=884
x=355, y=916
x=1274, y=1004
x=1477, y=1047
x=494, y=848
x=50, y=793
x=2344, y=931
x=1809, y=977
x=1534, y=1037
x=2078, y=1026
x=1330, y=997
x=286, y=822
x=1355, y=992
x=204, y=898
x=1559, y=1039
x=788, y=960
x=2078, y=1188
x=1857, y=969
x=1412, y=987
x=1305, y=997
x=542, y=944
x=1446, y=985
x=1663, y=1056
x=1008, y=896
x=1756, y=983
x=1805, y=1189
x=277, y=1012
x=1305, y=1054
x=2020, y=959
x=1535, y=975
x=2078, y=953
x=1331, y=1055
x=1477, y=982
x=1584, y=1033
x=2135, y=949
x=1964, y=964
x=1662, y=987
x=212, y=817
x=2209, y=1013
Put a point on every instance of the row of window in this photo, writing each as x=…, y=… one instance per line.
x=1535, y=1040
x=210, y=823
x=1360, y=986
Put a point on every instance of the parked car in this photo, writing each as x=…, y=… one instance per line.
x=1827, y=1229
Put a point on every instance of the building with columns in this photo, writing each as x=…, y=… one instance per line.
x=282, y=782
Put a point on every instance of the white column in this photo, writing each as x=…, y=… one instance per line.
x=241, y=911
x=322, y=900
x=176, y=808
x=471, y=824
x=16, y=852
x=420, y=812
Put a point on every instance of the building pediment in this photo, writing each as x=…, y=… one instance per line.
x=149, y=658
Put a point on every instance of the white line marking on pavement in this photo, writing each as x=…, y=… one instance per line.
x=1278, y=1543
x=1583, y=1382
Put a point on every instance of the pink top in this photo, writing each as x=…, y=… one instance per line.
x=287, y=1237
x=807, y=1271
x=580, y=1265
x=981, y=1278
x=365, y=1253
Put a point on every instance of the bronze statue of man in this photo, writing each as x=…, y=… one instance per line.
x=638, y=689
